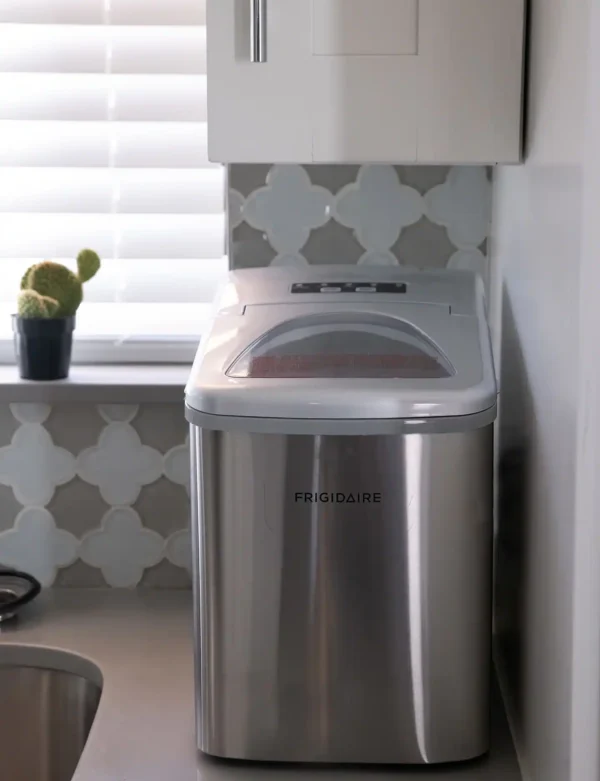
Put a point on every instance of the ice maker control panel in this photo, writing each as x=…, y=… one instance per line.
x=349, y=287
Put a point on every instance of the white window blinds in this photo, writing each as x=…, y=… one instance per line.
x=103, y=144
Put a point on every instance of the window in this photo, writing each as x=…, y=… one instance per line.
x=103, y=144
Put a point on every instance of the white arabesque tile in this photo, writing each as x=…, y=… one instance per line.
x=463, y=205
x=288, y=208
x=235, y=208
x=30, y=413
x=118, y=413
x=122, y=548
x=177, y=465
x=120, y=464
x=378, y=206
x=34, y=545
x=179, y=549
x=32, y=465
x=378, y=259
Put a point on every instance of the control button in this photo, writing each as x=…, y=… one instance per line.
x=331, y=290
x=366, y=290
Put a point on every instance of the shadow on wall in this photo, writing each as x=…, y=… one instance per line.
x=512, y=538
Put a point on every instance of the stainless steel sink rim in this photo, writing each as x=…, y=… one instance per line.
x=48, y=658
x=51, y=712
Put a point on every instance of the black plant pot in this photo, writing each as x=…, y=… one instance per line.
x=43, y=346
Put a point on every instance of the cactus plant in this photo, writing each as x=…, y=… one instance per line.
x=88, y=264
x=32, y=304
x=55, y=283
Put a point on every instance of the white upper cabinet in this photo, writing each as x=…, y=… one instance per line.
x=259, y=112
x=342, y=81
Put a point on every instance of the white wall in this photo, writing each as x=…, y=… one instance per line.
x=547, y=247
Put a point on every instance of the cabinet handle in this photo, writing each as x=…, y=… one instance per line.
x=258, y=31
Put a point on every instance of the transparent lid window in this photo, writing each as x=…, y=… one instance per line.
x=342, y=345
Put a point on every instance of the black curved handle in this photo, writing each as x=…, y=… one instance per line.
x=34, y=589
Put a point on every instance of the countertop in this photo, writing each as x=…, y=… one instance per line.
x=138, y=646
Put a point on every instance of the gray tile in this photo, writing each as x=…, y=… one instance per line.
x=333, y=243
x=161, y=426
x=166, y=576
x=74, y=426
x=9, y=509
x=8, y=425
x=77, y=507
x=424, y=245
x=164, y=507
x=249, y=248
x=422, y=177
x=79, y=575
x=247, y=178
x=333, y=177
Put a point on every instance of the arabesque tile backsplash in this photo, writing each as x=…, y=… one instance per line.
x=99, y=495
x=418, y=216
x=96, y=495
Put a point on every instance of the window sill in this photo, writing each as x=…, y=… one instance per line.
x=106, y=384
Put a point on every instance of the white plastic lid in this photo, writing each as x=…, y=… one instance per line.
x=342, y=355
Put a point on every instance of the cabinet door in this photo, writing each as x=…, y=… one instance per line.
x=259, y=112
x=470, y=80
x=364, y=59
x=397, y=81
